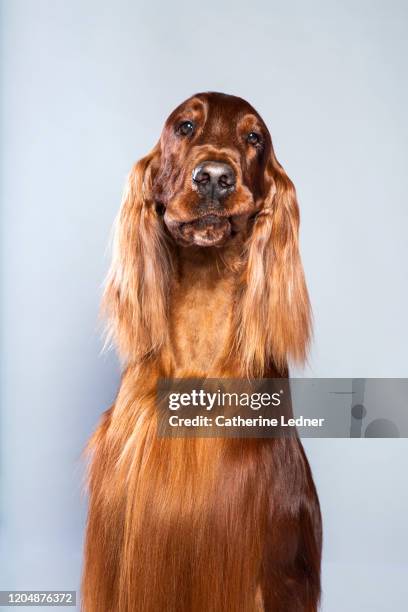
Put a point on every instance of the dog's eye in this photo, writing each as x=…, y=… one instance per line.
x=186, y=128
x=253, y=138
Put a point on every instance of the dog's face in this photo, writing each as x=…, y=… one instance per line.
x=212, y=174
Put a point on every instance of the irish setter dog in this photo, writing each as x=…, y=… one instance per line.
x=206, y=281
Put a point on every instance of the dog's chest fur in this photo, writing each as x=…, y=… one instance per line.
x=201, y=315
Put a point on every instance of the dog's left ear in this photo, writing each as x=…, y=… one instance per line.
x=274, y=313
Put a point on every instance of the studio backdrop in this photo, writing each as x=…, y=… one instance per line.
x=86, y=87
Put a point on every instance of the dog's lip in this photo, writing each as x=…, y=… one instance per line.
x=208, y=219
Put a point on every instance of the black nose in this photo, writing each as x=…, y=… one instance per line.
x=214, y=179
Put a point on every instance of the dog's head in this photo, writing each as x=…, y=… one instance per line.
x=213, y=176
x=212, y=169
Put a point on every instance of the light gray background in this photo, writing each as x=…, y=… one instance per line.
x=86, y=86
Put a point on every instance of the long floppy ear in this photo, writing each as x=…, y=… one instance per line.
x=274, y=311
x=135, y=297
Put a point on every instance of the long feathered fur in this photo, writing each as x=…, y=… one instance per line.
x=274, y=316
x=181, y=524
x=135, y=298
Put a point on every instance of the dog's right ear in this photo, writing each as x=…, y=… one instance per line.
x=135, y=297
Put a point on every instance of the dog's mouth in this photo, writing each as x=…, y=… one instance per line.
x=208, y=223
x=206, y=231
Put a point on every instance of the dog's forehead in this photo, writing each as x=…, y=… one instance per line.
x=215, y=108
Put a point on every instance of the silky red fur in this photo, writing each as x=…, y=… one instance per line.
x=202, y=524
